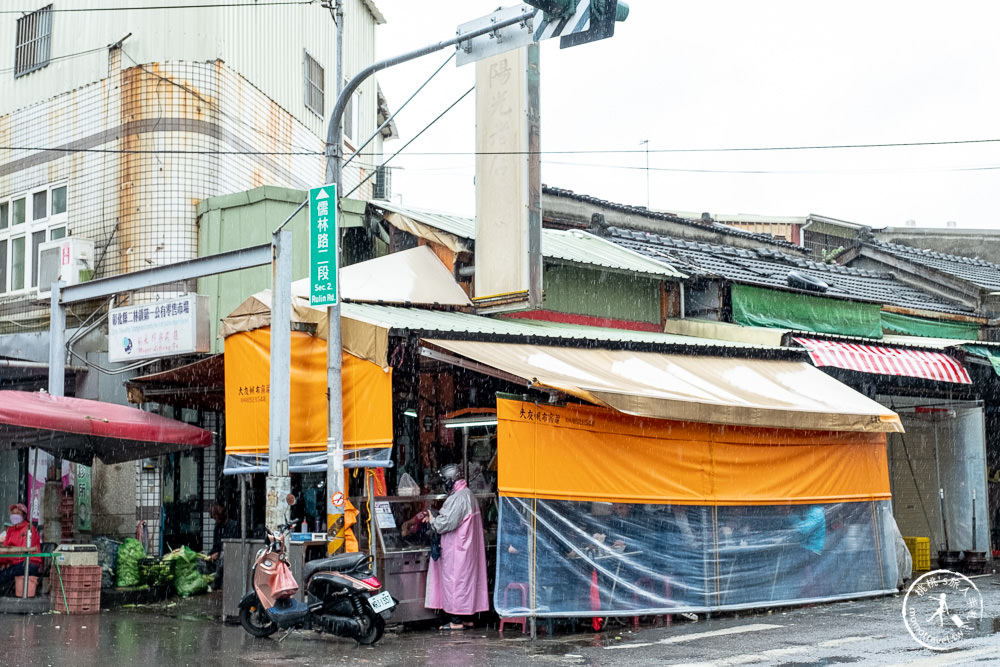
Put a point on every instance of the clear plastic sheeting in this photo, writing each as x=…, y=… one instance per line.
x=372, y=457
x=574, y=558
x=940, y=465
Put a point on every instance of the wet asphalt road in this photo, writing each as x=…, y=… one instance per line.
x=866, y=632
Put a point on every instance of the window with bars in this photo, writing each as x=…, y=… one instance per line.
x=314, y=86
x=34, y=37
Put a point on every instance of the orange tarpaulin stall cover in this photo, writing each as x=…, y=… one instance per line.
x=367, y=396
x=581, y=452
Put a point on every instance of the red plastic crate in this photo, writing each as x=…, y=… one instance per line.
x=77, y=608
x=81, y=573
x=78, y=585
x=93, y=596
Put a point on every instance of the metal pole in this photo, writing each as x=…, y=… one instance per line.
x=334, y=174
x=243, y=533
x=57, y=334
x=278, y=481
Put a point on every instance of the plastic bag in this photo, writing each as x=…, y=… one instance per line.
x=187, y=580
x=129, y=555
x=407, y=486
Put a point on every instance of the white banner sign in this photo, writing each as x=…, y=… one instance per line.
x=160, y=329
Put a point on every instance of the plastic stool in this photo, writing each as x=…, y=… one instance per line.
x=648, y=584
x=514, y=620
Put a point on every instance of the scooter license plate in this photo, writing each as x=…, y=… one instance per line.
x=381, y=602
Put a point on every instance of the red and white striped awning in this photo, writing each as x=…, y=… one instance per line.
x=885, y=360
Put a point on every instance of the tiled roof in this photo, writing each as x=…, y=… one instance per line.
x=976, y=271
x=715, y=227
x=769, y=267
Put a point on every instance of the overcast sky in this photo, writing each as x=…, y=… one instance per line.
x=732, y=74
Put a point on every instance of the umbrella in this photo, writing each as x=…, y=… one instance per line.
x=78, y=429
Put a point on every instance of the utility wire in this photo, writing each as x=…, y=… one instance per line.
x=426, y=127
x=70, y=10
x=632, y=151
x=65, y=57
x=778, y=171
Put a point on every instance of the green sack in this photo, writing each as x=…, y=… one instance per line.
x=187, y=580
x=129, y=555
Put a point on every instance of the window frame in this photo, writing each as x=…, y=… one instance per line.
x=352, y=116
x=33, y=41
x=311, y=87
x=29, y=235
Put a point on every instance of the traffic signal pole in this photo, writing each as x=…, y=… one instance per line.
x=335, y=492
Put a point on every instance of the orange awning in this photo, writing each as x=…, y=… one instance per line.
x=367, y=396
x=587, y=453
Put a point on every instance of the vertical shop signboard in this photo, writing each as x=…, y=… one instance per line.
x=82, y=497
x=323, y=246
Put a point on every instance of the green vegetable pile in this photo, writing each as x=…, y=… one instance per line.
x=129, y=555
x=187, y=580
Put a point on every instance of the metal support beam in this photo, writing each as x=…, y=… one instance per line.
x=223, y=262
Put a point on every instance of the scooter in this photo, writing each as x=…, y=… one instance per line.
x=342, y=595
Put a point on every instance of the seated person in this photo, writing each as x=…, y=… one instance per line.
x=16, y=542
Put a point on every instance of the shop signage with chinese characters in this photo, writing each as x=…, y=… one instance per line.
x=159, y=329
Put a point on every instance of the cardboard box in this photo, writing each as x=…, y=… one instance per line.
x=71, y=555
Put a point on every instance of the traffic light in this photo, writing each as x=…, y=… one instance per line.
x=555, y=9
x=602, y=15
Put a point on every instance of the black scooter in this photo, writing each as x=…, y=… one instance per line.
x=342, y=595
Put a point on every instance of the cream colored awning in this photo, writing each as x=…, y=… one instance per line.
x=714, y=390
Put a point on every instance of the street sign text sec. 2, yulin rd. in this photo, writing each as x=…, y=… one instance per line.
x=323, y=246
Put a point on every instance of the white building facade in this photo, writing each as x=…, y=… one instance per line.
x=114, y=125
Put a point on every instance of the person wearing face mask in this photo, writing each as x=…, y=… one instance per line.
x=16, y=542
x=456, y=582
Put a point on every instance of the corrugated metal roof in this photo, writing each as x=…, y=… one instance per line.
x=453, y=224
x=441, y=323
x=572, y=246
x=578, y=247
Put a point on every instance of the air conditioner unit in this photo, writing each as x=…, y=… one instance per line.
x=69, y=259
x=383, y=183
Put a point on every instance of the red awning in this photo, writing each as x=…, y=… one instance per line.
x=885, y=360
x=78, y=429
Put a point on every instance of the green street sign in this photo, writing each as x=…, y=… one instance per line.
x=323, y=246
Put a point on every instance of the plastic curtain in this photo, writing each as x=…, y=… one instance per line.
x=367, y=399
x=576, y=558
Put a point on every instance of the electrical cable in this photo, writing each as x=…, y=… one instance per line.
x=396, y=113
x=77, y=10
x=53, y=59
x=426, y=127
x=778, y=171
x=214, y=106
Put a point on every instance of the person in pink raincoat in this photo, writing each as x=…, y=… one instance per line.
x=456, y=582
